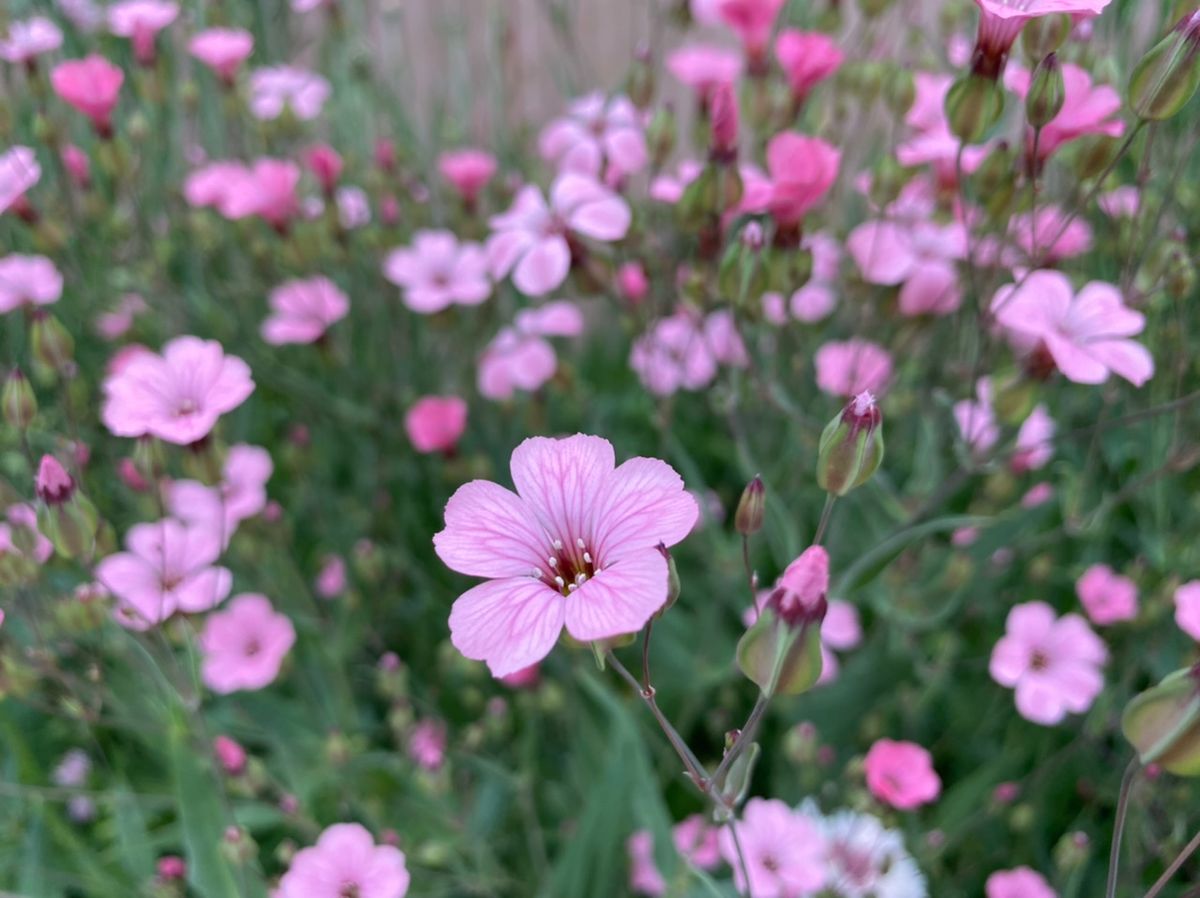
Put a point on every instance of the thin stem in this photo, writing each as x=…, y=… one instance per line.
x=751, y=580
x=646, y=687
x=830, y=498
x=1114, y=855
x=737, y=844
x=1187, y=852
x=743, y=740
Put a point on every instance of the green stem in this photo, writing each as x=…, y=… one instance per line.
x=1170, y=872
x=1114, y=855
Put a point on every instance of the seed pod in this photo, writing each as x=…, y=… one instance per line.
x=973, y=105
x=1163, y=723
x=1047, y=93
x=1168, y=75
x=18, y=401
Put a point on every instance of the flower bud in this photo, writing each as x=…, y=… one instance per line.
x=1047, y=93
x=723, y=128
x=53, y=347
x=974, y=104
x=851, y=447
x=18, y=401
x=661, y=134
x=1163, y=723
x=1168, y=75
x=1043, y=35
x=674, y=587
x=748, y=518
x=735, y=782
x=53, y=485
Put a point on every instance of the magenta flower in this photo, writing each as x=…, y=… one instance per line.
x=633, y=282
x=802, y=170
x=1106, y=596
x=574, y=547
x=644, y=876
x=29, y=39
x=704, y=68
x=468, y=171
x=28, y=281
x=302, y=310
x=976, y=419
x=1087, y=109
x=901, y=774
x=92, y=86
x=520, y=357
x=915, y=252
x=751, y=21
x=852, y=367
x=807, y=58
x=1001, y=21
x=222, y=49
x=596, y=131
x=326, y=165
x=1085, y=335
x=1054, y=663
x=166, y=567
x=141, y=21
x=784, y=851
x=437, y=271
x=695, y=838
x=1187, y=608
x=244, y=645
x=531, y=238
x=19, y=170
x=435, y=423
x=241, y=494
x=1019, y=883
x=177, y=396
x=276, y=88
x=1035, y=442
x=346, y=861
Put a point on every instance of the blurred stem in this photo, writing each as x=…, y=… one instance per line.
x=737, y=844
x=1114, y=855
x=749, y=574
x=1170, y=872
x=826, y=512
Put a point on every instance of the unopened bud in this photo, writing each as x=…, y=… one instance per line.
x=53, y=347
x=661, y=134
x=1168, y=75
x=1163, y=723
x=748, y=518
x=974, y=104
x=18, y=401
x=851, y=447
x=723, y=132
x=1043, y=35
x=1047, y=93
x=53, y=485
x=674, y=587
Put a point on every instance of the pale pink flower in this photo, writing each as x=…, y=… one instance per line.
x=275, y=88
x=674, y=355
x=167, y=567
x=208, y=184
x=1047, y=237
x=427, y=744
x=1120, y=202
x=751, y=21
x=530, y=239
x=784, y=851
x=1001, y=21
x=1035, y=441
x=596, y=131
x=703, y=68
x=468, y=171
x=644, y=875
x=1187, y=608
x=1054, y=663
x=19, y=170
x=85, y=15
x=1106, y=596
x=901, y=774
x=241, y=494
x=114, y=324
x=331, y=579
x=696, y=840
x=353, y=207
x=22, y=516
x=1019, y=883
x=807, y=58
x=266, y=189
x=346, y=861
x=436, y=272
x=574, y=547
x=1087, y=109
x=244, y=644
x=802, y=169
x=230, y=755
x=976, y=419
x=520, y=357
x=141, y=21
x=177, y=396
x=435, y=423
x=302, y=310
x=705, y=12
x=1087, y=335
x=841, y=631
x=310, y=5
x=92, y=86
x=916, y=252
x=852, y=367
x=1038, y=494
x=30, y=38
x=28, y=281
x=222, y=49
x=669, y=188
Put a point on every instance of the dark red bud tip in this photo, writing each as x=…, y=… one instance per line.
x=54, y=485
x=862, y=413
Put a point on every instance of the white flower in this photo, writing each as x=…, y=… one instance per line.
x=864, y=859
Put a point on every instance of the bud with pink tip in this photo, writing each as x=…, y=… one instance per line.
x=172, y=868
x=65, y=516
x=230, y=754
x=748, y=518
x=851, y=447
x=326, y=165
x=54, y=485
x=724, y=125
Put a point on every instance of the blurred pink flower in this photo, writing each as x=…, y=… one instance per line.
x=519, y=357
x=1035, y=442
x=807, y=58
x=92, y=86
x=141, y=21
x=468, y=171
x=784, y=851
x=230, y=755
x=705, y=12
x=353, y=207
x=19, y=170
x=1087, y=109
x=22, y=516
x=703, y=68
x=818, y=297
x=114, y=324
x=1106, y=596
x=1187, y=608
x=840, y=631
x=976, y=419
x=1019, y=883
x=1001, y=21
x=241, y=494
x=675, y=354
x=1054, y=663
x=696, y=840
x=275, y=88
x=577, y=527
x=751, y=21
x=916, y=252
x=1120, y=202
x=85, y=15
x=208, y=184
x=632, y=282
x=266, y=189
x=28, y=281
x=435, y=423
x=852, y=367
x=177, y=396
x=596, y=130
x=167, y=567
x=531, y=238
x=244, y=645
x=77, y=164
x=30, y=38
x=1038, y=494
x=326, y=165
x=222, y=49
x=901, y=774
x=1033, y=235
x=644, y=875
x=802, y=170
x=427, y=744
x=303, y=310
x=931, y=142
x=345, y=861
x=436, y=272
x=331, y=579
x=1087, y=335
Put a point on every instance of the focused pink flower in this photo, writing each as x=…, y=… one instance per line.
x=1106, y=596
x=166, y=567
x=807, y=58
x=331, y=579
x=1019, y=883
x=696, y=840
x=644, y=875
x=596, y=131
x=222, y=49
x=1035, y=442
x=276, y=88
x=303, y=310
x=751, y=21
x=531, y=238
x=244, y=645
x=141, y=21
x=19, y=170
x=435, y=423
x=802, y=170
x=1187, y=608
x=241, y=494
x=976, y=419
x=30, y=38
x=230, y=755
x=436, y=272
x=1085, y=335
x=28, y=281
x=520, y=357
x=901, y=774
x=92, y=86
x=915, y=252
x=1001, y=21
x=852, y=367
x=703, y=68
x=1054, y=663
x=346, y=861
x=574, y=547
x=1087, y=109
x=427, y=744
x=177, y=396
x=784, y=851
x=468, y=171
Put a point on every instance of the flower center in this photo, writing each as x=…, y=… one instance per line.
x=186, y=407
x=349, y=890
x=855, y=866
x=253, y=647
x=1038, y=661
x=568, y=567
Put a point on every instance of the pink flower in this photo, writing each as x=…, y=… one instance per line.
x=468, y=171
x=177, y=396
x=92, y=86
x=427, y=744
x=1038, y=494
x=674, y=355
x=915, y=252
x=222, y=49
x=574, y=547
x=703, y=68
x=230, y=755
x=326, y=165
x=28, y=281
x=802, y=170
x=1120, y=202
x=331, y=579
x=208, y=185
x=520, y=358
x=346, y=861
x=976, y=419
x=301, y=311
x=807, y=58
x=167, y=567
x=141, y=21
x=354, y=209
x=1087, y=109
x=644, y=875
x=22, y=516
x=632, y=282
x=1001, y=21
x=530, y=239
x=696, y=840
x=1187, y=608
x=275, y=88
x=1053, y=663
x=852, y=367
x=1035, y=441
x=784, y=851
x=1106, y=596
x=752, y=21
x=817, y=298
x=437, y=271
x=594, y=131
x=114, y=324
x=241, y=494
x=1086, y=335
x=19, y=170
x=901, y=774
x=266, y=189
x=29, y=39
x=76, y=162
x=1044, y=239
x=1019, y=883
x=244, y=645
x=840, y=631
x=435, y=423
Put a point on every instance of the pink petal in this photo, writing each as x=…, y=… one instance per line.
x=1126, y=358
x=603, y=219
x=620, y=599
x=1010, y=659
x=1075, y=362
x=1030, y=622
x=883, y=252
x=642, y=504
x=1039, y=701
x=544, y=267
x=510, y=624
x=561, y=480
x=490, y=532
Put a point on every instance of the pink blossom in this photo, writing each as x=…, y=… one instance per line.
x=751, y=21
x=1106, y=596
x=632, y=282
x=28, y=281
x=901, y=774
x=114, y=324
x=19, y=170
x=244, y=645
x=696, y=840
x=326, y=165
x=346, y=861
x=916, y=252
x=594, y=131
x=177, y=396
x=167, y=567
x=1038, y=494
x=703, y=68
x=802, y=170
x=1001, y=21
x=817, y=298
x=266, y=189
x=427, y=744
x=230, y=755
x=29, y=39
x=468, y=171
x=1086, y=335
x=1054, y=663
x=807, y=58
x=77, y=164
x=1048, y=237
x=1120, y=202
x=931, y=142
x=574, y=547
x=784, y=851
x=92, y=86
x=1019, y=883
x=1187, y=608
x=353, y=207
x=437, y=271
x=675, y=354
x=275, y=88
x=301, y=311
x=85, y=15
x=530, y=239
x=1035, y=442
x=1087, y=109
x=976, y=419
x=53, y=485
x=141, y=21
x=222, y=49
x=208, y=185
x=331, y=579
x=852, y=367
x=435, y=423
x=241, y=494
x=644, y=875
x=520, y=358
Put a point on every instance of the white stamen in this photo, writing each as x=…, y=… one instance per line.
x=587, y=557
x=557, y=544
x=572, y=588
x=560, y=581
x=579, y=542
x=552, y=561
x=537, y=573
x=581, y=578
x=597, y=571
